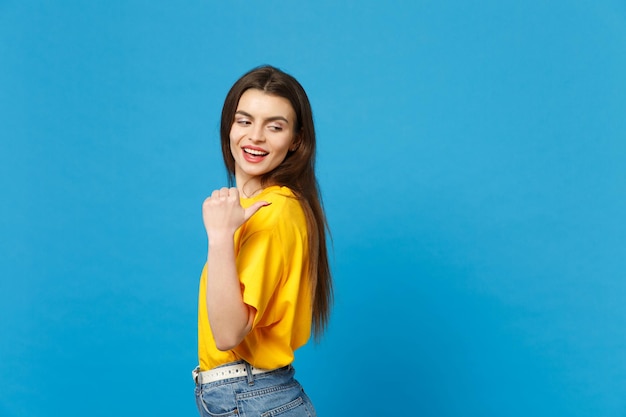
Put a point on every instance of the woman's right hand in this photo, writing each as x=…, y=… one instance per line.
x=223, y=214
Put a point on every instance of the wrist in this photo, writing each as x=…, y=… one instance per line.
x=221, y=239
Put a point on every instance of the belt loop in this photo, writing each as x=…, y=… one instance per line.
x=249, y=372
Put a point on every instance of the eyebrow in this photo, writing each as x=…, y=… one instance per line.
x=269, y=119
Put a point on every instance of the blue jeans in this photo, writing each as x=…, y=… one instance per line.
x=274, y=393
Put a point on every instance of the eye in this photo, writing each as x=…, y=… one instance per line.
x=242, y=121
x=275, y=128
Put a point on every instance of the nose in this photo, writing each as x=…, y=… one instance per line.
x=257, y=134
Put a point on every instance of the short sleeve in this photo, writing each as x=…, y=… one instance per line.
x=261, y=267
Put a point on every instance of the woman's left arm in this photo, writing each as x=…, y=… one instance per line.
x=230, y=318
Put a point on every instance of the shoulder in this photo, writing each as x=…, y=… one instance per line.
x=284, y=210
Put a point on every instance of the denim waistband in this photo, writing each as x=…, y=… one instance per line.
x=237, y=369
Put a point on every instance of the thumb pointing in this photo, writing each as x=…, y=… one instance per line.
x=249, y=212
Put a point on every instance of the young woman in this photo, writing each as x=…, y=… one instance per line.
x=266, y=282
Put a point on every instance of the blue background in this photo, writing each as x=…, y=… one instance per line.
x=472, y=159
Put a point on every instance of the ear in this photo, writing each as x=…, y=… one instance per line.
x=296, y=142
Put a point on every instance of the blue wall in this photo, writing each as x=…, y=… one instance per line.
x=473, y=163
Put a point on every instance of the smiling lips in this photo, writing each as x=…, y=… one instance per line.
x=254, y=154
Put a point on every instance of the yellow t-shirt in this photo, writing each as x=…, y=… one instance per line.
x=271, y=252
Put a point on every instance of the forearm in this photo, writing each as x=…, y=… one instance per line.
x=230, y=318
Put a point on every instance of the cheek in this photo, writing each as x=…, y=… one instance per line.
x=233, y=149
x=233, y=138
x=288, y=142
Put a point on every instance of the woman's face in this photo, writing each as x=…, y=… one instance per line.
x=260, y=137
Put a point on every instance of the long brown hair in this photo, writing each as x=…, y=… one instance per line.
x=296, y=172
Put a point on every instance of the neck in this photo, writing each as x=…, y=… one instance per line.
x=249, y=188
